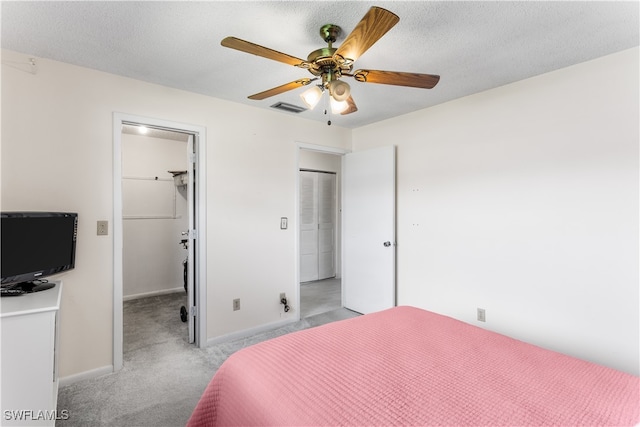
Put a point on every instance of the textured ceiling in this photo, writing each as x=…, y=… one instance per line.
x=473, y=46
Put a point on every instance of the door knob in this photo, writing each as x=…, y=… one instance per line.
x=387, y=244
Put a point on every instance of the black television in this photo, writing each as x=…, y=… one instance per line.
x=36, y=245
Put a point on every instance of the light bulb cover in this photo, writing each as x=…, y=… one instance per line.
x=311, y=96
x=338, y=107
x=339, y=90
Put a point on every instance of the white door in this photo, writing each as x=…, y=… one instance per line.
x=191, y=307
x=326, y=225
x=308, y=227
x=369, y=205
x=317, y=225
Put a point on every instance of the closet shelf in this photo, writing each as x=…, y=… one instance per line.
x=180, y=178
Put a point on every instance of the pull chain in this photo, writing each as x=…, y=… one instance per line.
x=327, y=109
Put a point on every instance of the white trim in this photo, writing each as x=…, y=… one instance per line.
x=118, y=348
x=322, y=148
x=201, y=237
x=86, y=375
x=153, y=294
x=201, y=224
x=251, y=331
x=319, y=149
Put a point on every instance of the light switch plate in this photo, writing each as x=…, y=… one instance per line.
x=284, y=223
x=103, y=228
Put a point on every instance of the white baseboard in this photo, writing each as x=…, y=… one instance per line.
x=153, y=293
x=86, y=375
x=251, y=331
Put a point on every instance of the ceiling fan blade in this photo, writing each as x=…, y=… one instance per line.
x=352, y=107
x=265, y=52
x=424, y=81
x=375, y=24
x=282, y=88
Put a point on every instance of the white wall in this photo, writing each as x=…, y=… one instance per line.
x=320, y=161
x=57, y=151
x=523, y=200
x=155, y=213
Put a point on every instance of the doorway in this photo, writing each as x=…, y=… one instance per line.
x=319, y=230
x=367, y=227
x=155, y=215
x=153, y=198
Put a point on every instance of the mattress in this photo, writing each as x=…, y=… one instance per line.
x=408, y=366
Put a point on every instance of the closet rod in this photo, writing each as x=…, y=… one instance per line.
x=147, y=178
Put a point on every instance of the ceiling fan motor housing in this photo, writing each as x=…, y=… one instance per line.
x=321, y=62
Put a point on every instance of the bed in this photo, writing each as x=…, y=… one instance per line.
x=408, y=366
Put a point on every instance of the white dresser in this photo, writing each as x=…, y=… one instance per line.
x=29, y=364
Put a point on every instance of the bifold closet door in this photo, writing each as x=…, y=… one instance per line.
x=317, y=225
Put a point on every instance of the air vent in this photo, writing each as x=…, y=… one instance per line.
x=290, y=108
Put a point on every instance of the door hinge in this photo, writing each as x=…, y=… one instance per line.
x=193, y=310
x=192, y=158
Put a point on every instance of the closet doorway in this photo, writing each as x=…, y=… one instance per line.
x=159, y=211
x=318, y=217
x=319, y=232
x=155, y=214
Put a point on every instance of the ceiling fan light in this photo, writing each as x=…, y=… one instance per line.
x=338, y=107
x=340, y=90
x=311, y=96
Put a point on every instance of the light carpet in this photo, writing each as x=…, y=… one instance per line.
x=163, y=376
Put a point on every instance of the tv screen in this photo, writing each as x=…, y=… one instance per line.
x=36, y=245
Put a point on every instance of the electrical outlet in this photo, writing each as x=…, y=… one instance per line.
x=284, y=302
x=236, y=304
x=481, y=315
x=103, y=228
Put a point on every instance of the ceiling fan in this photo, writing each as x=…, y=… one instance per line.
x=329, y=64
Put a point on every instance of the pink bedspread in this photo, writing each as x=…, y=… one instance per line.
x=407, y=366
